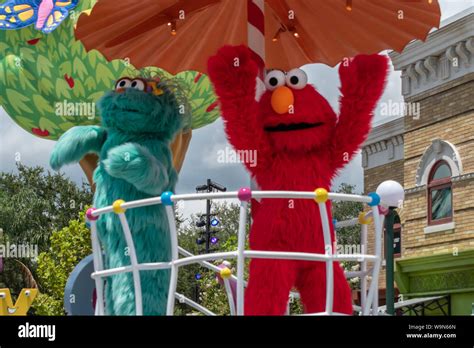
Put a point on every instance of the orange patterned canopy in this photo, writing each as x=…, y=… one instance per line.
x=155, y=33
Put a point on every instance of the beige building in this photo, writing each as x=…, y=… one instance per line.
x=431, y=153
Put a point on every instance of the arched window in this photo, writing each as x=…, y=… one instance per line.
x=440, y=194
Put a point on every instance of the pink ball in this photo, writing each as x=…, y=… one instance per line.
x=383, y=210
x=245, y=194
x=89, y=215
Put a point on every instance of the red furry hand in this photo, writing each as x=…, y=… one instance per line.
x=233, y=72
x=364, y=76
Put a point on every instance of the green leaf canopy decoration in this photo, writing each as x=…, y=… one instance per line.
x=49, y=83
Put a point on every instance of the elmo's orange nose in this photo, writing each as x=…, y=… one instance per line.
x=282, y=99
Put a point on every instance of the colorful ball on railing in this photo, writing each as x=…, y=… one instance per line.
x=383, y=210
x=89, y=215
x=375, y=199
x=244, y=194
x=226, y=273
x=321, y=195
x=117, y=206
x=166, y=198
x=363, y=220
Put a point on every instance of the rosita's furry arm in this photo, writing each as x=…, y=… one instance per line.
x=76, y=143
x=137, y=165
x=362, y=84
x=233, y=74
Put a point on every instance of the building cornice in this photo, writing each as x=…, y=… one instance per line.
x=384, y=144
x=436, y=43
x=447, y=54
x=385, y=131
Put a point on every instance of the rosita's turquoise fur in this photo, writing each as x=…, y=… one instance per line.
x=133, y=145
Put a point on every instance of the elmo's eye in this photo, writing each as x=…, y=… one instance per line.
x=123, y=83
x=138, y=84
x=296, y=79
x=274, y=79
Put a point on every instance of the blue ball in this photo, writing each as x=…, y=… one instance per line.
x=375, y=199
x=166, y=198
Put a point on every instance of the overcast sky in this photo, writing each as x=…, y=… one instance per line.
x=201, y=159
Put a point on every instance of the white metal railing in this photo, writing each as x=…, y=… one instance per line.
x=369, y=297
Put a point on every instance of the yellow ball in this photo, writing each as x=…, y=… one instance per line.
x=226, y=273
x=363, y=220
x=116, y=207
x=321, y=195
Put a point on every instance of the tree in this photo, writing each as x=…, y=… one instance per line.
x=344, y=210
x=34, y=203
x=68, y=247
x=14, y=274
x=348, y=237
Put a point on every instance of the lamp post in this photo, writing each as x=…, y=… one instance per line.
x=389, y=282
x=391, y=195
x=210, y=186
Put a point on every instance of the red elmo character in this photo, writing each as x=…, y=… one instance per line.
x=300, y=145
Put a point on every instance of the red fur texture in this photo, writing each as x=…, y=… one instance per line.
x=300, y=160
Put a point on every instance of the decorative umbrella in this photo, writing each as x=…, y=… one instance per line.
x=180, y=34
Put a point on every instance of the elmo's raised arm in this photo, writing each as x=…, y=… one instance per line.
x=233, y=74
x=362, y=85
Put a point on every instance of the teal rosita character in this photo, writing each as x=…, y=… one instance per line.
x=139, y=120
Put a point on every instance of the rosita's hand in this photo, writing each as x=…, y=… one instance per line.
x=233, y=72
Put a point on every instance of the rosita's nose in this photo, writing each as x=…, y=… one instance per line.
x=120, y=90
x=282, y=99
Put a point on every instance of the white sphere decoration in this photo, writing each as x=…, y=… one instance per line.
x=391, y=193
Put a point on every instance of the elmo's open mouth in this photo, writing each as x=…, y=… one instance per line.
x=292, y=127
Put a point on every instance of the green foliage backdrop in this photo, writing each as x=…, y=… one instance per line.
x=68, y=247
x=38, y=71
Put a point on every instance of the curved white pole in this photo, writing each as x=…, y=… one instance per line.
x=241, y=257
x=174, y=258
x=98, y=266
x=134, y=263
x=372, y=298
x=329, y=263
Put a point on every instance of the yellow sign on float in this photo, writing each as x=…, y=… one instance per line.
x=22, y=305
